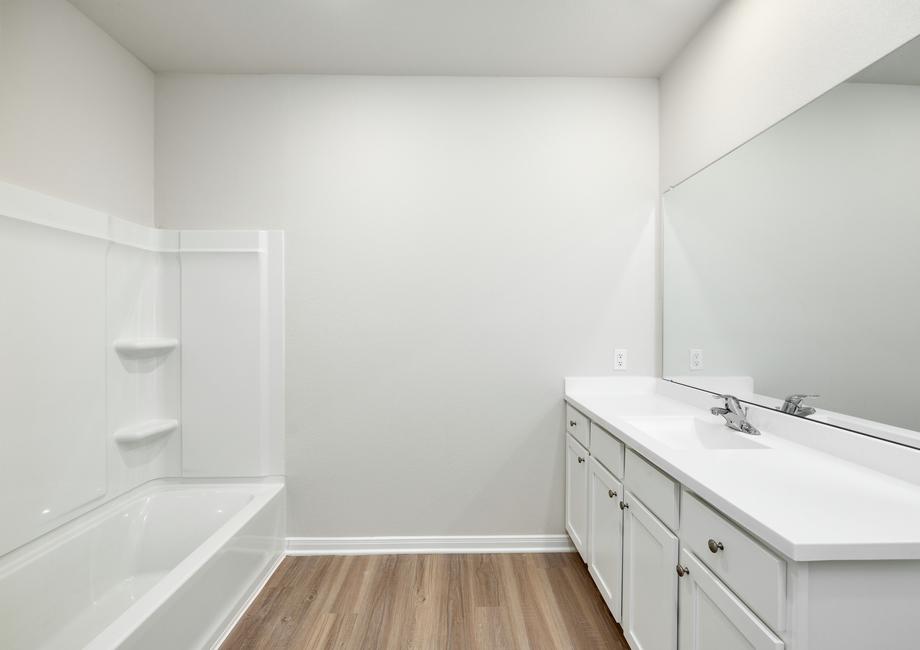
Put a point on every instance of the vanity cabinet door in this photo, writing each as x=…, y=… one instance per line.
x=576, y=494
x=713, y=618
x=605, y=535
x=649, y=580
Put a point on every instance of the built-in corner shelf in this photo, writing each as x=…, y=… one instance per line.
x=145, y=347
x=145, y=431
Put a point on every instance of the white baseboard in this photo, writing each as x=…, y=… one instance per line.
x=429, y=544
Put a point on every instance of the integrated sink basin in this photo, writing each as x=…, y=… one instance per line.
x=687, y=432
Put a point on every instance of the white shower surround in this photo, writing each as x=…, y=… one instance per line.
x=143, y=366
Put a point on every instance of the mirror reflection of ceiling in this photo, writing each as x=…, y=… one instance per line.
x=901, y=67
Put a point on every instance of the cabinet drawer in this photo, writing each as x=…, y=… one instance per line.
x=608, y=450
x=711, y=616
x=754, y=573
x=652, y=487
x=576, y=425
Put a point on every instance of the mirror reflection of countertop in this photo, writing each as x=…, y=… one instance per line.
x=810, y=491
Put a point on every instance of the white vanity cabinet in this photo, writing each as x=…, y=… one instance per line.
x=734, y=547
x=577, y=425
x=576, y=494
x=605, y=535
x=649, y=579
x=753, y=572
x=712, y=617
x=625, y=517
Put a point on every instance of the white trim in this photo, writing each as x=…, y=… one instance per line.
x=247, y=602
x=28, y=205
x=221, y=250
x=429, y=544
x=23, y=204
x=146, y=238
x=222, y=241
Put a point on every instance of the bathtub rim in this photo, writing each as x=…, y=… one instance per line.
x=118, y=631
x=264, y=490
x=14, y=559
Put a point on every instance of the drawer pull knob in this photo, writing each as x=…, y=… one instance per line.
x=623, y=506
x=611, y=493
x=573, y=423
x=682, y=571
x=715, y=546
x=581, y=459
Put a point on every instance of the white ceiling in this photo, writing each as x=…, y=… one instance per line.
x=460, y=37
x=900, y=67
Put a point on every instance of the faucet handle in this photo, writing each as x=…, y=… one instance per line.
x=797, y=398
x=720, y=410
x=793, y=404
x=726, y=398
x=731, y=404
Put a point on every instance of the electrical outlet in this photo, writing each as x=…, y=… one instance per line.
x=696, y=359
x=620, y=359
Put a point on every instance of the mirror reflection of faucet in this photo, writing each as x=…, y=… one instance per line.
x=793, y=405
x=735, y=415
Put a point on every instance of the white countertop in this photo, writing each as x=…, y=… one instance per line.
x=806, y=503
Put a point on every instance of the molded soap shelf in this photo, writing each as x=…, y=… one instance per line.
x=145, y=347
x=145, y=431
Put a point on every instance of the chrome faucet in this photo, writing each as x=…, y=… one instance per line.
x=735, y=415
x=793, y=405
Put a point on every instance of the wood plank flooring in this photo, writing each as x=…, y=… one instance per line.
x=455, y=602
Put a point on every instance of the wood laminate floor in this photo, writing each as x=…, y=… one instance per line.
x=455, y=602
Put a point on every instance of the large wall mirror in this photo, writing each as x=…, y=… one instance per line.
x=792, y=265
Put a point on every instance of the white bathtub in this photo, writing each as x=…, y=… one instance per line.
x=169, y=566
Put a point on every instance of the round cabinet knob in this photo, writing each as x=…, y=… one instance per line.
x=623, y=506
x=581, y=459
x=573, y=423
x=611, y=493
x=715, y=546
x=682, y=571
